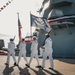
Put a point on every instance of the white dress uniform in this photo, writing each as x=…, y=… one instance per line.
x=34, y=51
x=48, y=52
x=11, y=47
x=22, y=48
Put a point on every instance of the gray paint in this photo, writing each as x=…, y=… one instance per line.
x=64, y=38
x=63, y=42
x=67, y=10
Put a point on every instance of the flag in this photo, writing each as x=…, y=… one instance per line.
x=19, y=29
x=40, y=22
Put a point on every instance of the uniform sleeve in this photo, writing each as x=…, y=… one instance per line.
x=32, y=46
x=25, y=45
x=45, y=43
x=14, y=46
x=20, y=46
x=8, y=46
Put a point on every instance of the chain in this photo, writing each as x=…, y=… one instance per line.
x=4, y=6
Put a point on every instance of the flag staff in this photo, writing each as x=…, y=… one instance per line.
x=19, y=28
x=30, y=25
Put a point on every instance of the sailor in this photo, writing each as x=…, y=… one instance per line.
x=22, y=52
x=48, y=52
x=11, y=48
x=34, y=52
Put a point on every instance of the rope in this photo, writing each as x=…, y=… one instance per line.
x=4, y=6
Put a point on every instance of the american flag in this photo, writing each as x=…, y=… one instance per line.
x=19, y=29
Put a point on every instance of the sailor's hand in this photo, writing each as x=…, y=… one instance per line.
x=8, y=51
x=42, y=47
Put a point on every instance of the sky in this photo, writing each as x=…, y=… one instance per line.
x=9, y=18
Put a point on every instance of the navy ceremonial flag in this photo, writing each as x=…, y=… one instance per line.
x=19, y=29
x=40, y=22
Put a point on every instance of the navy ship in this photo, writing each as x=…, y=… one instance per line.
x=63, y=30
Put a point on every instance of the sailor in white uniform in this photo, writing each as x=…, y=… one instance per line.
x=22, y=52
x=48, y=52
x=34, y=52
x=11, y=48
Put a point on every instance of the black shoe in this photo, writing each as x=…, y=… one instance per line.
x=38, y=66
x=41, y=67
x=15, y=64
x=27, y=65
x=6, y=64
x=51, y=68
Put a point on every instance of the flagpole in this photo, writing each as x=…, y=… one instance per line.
x=18, y=15
x=30, y=25
x=19, y=28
